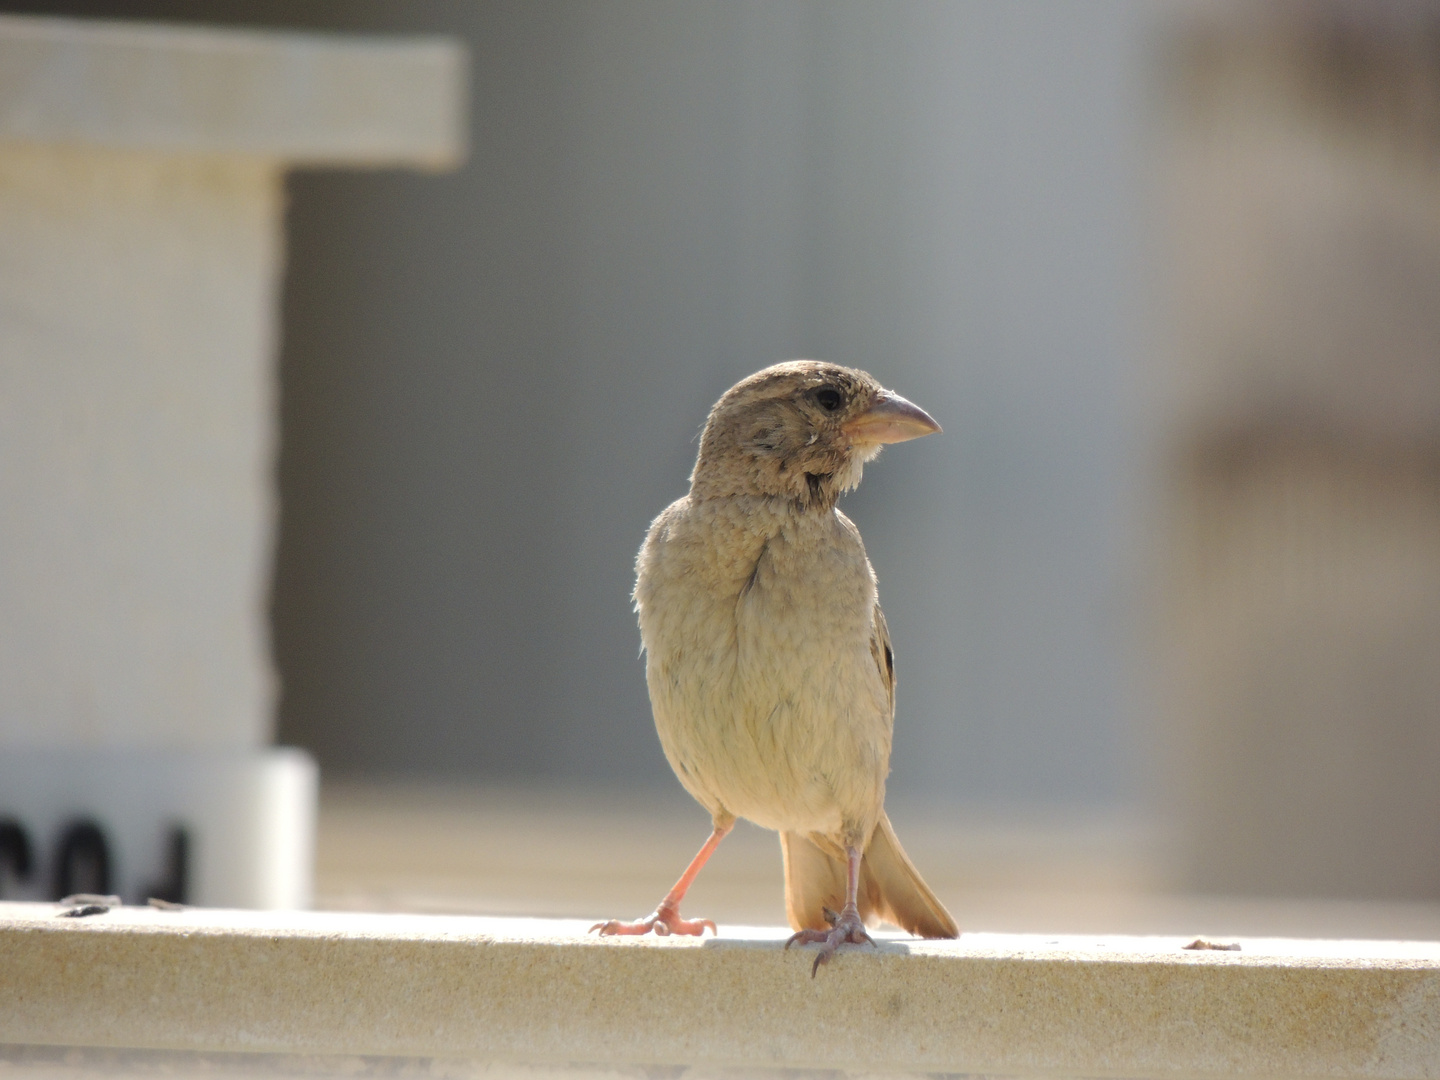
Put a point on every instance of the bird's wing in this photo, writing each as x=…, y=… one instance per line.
x=884, y=657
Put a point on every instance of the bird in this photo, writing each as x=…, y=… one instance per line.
x=768, y=659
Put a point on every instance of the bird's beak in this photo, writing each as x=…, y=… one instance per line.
x=890, y=419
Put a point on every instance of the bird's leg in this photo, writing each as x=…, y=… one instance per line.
x=845, y=928
x=666, y=917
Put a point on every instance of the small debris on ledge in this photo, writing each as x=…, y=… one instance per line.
x=79, y=905
x=1201, y=943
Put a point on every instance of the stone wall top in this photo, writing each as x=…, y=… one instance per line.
x=544, y=993
x=306, y=99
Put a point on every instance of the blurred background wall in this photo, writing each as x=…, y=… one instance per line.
x=1297, y=412
x=492, y=381
x=1170, y=283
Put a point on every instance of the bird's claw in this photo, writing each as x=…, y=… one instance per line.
x=662, y=923
x=845, y=929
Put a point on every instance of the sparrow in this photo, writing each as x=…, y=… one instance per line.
x=769, y=664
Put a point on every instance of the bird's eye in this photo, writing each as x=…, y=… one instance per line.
x=829, y=398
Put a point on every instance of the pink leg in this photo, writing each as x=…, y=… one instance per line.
x=666, y=918
x=847, y=929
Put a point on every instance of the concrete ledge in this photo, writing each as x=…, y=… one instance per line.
x=300, y=98
x=539, y=993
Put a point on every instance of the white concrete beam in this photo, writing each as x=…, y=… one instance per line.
x=540, y=994
x=302, y=99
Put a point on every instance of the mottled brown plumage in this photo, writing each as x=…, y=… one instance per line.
x=769, y=663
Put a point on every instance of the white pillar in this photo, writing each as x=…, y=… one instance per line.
x=141, y=249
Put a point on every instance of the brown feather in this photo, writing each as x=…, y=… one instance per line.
x=900, y=894
x=891, y=889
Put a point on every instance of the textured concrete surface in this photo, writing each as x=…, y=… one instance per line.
x=304, y=98
x=137, y=328
x=538, y=993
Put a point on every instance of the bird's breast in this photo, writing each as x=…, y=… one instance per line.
x=757, y=629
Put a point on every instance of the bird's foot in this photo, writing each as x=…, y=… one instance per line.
x=665, y=921
x=845, y=929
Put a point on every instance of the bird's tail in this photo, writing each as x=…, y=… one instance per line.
x=890, y=887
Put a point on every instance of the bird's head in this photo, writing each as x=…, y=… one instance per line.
x=801, y=430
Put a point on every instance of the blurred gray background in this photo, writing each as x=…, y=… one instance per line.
x=1169, y=583
x=492, y=380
